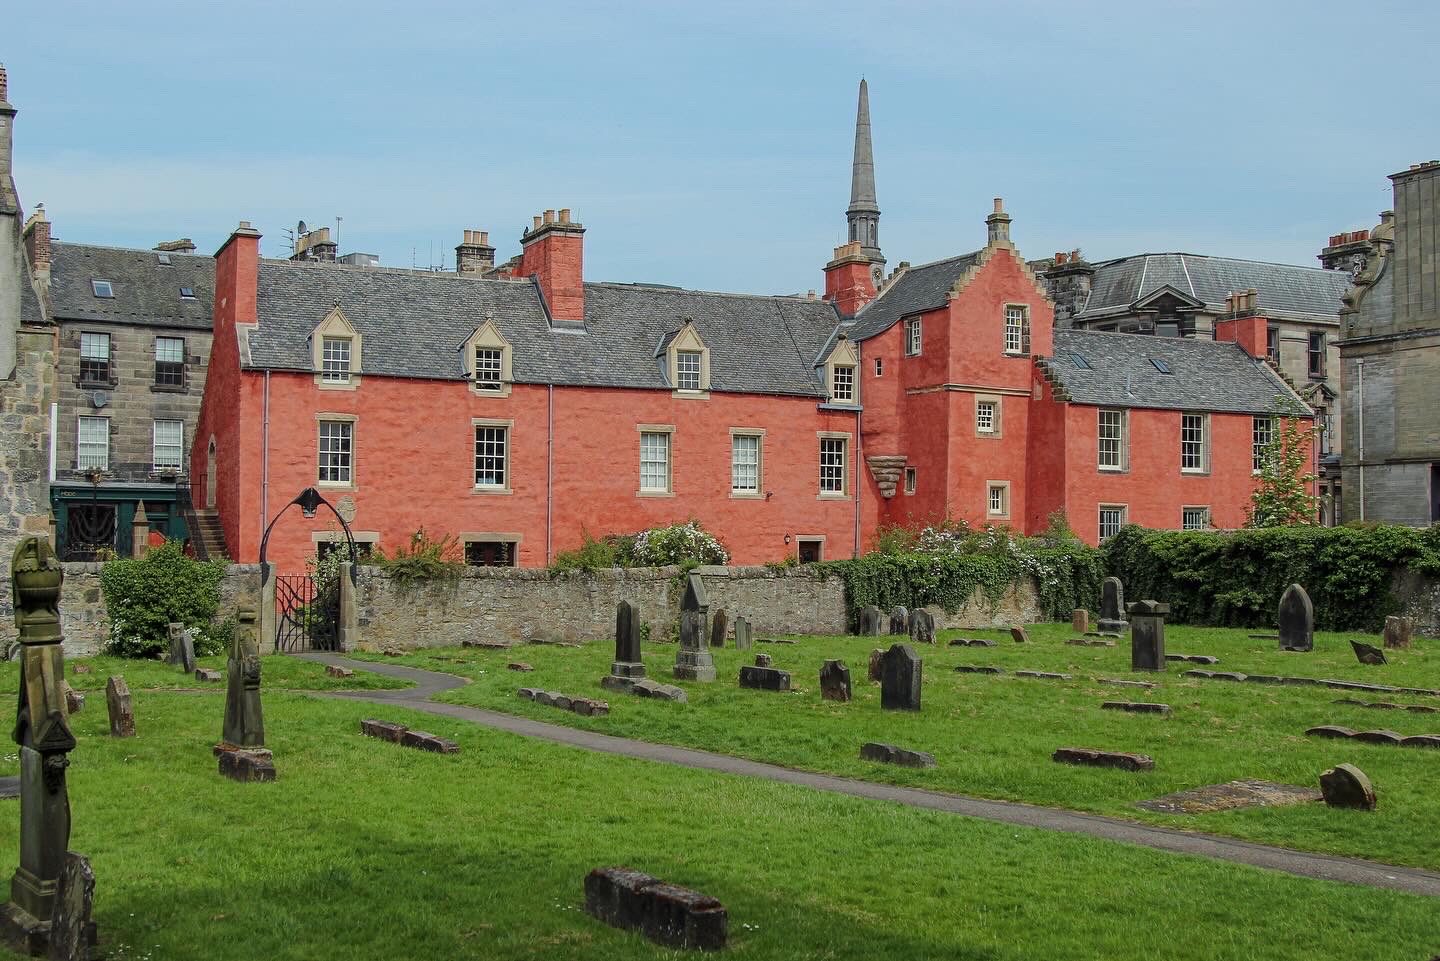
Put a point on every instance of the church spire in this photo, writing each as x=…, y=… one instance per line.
x=863, y=213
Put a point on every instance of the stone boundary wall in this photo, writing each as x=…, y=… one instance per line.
x=1419, y=597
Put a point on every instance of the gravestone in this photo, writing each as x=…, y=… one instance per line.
x=764, y=678
x=1398, y=631
x=122, y=713
x=1297, y=620
x=174, y=630
x=890, y=754
x=763, y=660
x=922, y=627
x=1346, y=786
x=744, y=636
x=74, y=700
x=1080, y=620
x=1147, y=635
x=871, y=623
x=42, y=730
x=665, y=913
x=1368, y=653
x=187, y=652
x=900, y=672
x=1019, y=635
x=834, y=681
x=899, y=621
x=1112, y=606
x=719, y=627
x=693, y=661
x=244, y=721
x=72, y=933
x=627, y=661
x=877, y=661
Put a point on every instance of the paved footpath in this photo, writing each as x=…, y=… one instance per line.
x=1323, y=866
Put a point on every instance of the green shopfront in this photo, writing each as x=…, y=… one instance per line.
x=97, y=521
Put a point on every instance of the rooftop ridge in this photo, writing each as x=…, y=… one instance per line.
x=1233, y=260
x=671, y=289
x=55, y=242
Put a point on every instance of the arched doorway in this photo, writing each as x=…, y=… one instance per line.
x=210, y=476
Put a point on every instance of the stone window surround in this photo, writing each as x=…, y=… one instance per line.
x=996, y=422
x=914, y=335
x=912, y=480
x=879, y=367
x=80, y=439
x=1256, y=422
x=1004, y=487
x=1194, y=507
x=342, y=486
x=111, y=379
x=333, y=536
x=844, y=493
x=179, y=446
x=488, y=336
x=1124, y=465
x=509, y=426
x=1204, y=467
x=336, y=325
x=669, y=430
x=513, y=538
x=810, y=539
x=1024, y=331
x=844, y=354
x=1124, y=510
x=184, y=384
x=688, y=339
x=759, y=492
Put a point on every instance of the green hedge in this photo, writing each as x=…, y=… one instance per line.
x=1068, y=575
x=144, y=596
x=1235, y=578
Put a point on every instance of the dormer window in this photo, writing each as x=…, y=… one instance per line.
x=842, y=384
x=687, y=369
x=102, y=288
x=1017, y=329
x=336, y=352
x=840, y=370
x=488, y=365
x=487, y=357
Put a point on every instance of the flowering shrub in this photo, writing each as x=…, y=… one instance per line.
x=687, y=545
x=143, y=596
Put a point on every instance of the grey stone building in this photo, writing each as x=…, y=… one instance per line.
x=26, y=375
x=1182, y=295
x=133, y=348
x=1390, y=362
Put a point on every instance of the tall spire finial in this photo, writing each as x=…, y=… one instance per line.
x=863, y=213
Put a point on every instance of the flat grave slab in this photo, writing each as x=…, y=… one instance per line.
x=9, y=787
x=1193, y=658
x=890, y=754
x=764, y=678
x=1135, y=707
x=1119, y=682
x=1090, y=642
x=1383, y=737
x=971, y=642
x=1049, y=675
x=1216, y=675
x=1090, y=757
x=1388, y=705
x=1245, y=793
x=645, y=687
x=777, y=640
x=978, y=669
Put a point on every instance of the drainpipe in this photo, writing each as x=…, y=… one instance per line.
x=856, y=471
x=54, y=430
x=1360, y=405
x=549, y=466
x=265, y=458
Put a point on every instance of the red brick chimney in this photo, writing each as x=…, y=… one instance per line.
x=237, y=276
x=849, y=283
x=1243, y=323
x=37, y=245
x=554, y=254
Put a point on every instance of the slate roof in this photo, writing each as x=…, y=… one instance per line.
x=413, y=324
x=1206, y=375
x=146, y=291
x=1281, y=289
x=916, y=290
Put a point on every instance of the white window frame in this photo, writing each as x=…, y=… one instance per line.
x=1121, y=442
x=335, y=363
x=747, y=468
x=1121, y=513
x=914, y=337
x=1192, y=448
x=657, y=450
x=997, y=500
x=879, y=367
x=177, y=445
x=987, y=425
x=335, y=454
x=689, y=366
x=1262, y=434
x=842, y=383
x=98, y=455
x=496, y=435
x=1017, y=329
x=96, y=347
x=489, y=372
x=1194, y=518
x=169, y=350
x=911, y=480
x=834, y=465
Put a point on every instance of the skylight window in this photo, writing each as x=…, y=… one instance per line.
x=187, y=293
x=102, y=288
x=1080, y=362
x=163, y=258
x=1161, y=366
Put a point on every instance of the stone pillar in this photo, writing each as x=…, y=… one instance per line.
x=267, y=608
x=1147, y=635
x=140, y=532
x=348, y=634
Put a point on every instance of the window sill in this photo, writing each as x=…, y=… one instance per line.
x=491, y=490
x=1193, y=472
x=97, y=384
x=1112, y=470
x=840, y=408
x=832, y=497
x=690, y=394
x=503, y=390
x=1014, y=353
x=336, y=486
x=989, y=434
x=654, y=493
x=169, y=389
x=997, y=517
x=1320, y=376
x=746, y=496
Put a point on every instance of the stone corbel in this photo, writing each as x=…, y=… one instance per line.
x=887, y=471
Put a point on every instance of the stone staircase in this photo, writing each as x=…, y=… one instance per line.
x=207, y=536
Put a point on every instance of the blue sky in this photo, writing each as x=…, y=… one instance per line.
x=709, y=145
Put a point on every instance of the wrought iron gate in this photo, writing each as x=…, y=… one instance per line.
x=307, y=618
x=89, y=531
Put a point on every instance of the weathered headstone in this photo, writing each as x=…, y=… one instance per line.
x=744, y=636
x=74, y=700
x=693, y=661
x=254, y=764
x=1089, y=757
x=1147, y=635
x=42, y=730
x=890, y=754
x=1398, y=631
x=173, y=631
x=899, y=621
x=122, y=712
x=187, y=652
x=1080, y=620
x=1019, y=635
x=1368, y=653
x=665, y=913
x=334, y=670
x=719, y=627
x=877, y=662
x=244, y=721
x=1112, y=606
x=1297, y=620
x=627, y=661
x=871, y=621
x=205, y=674
x=763, y=660
x=922, y=627
x=764, y=678
x=1346, y=786
x=72, y=933
x=900, y=674
x=834, y=681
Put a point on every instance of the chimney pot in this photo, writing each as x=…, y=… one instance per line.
x=536, y=225
x=1075, y=254
x=4, y=83
x=564, y=215
x=1059, y=258
x=244, y=225
x=999, y=205
x=485, y=238
x=549, y=216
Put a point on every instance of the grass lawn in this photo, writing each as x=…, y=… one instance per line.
x=993, y=735
x=366, y=850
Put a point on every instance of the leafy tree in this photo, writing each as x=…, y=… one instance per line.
x=1283, y=495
